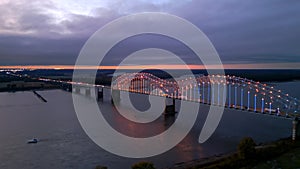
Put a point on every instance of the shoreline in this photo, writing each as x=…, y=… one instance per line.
x=202, y=161
x=274, y=149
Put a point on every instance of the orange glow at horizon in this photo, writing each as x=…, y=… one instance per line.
x=225, y=66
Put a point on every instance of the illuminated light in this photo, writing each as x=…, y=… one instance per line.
x=278, y=111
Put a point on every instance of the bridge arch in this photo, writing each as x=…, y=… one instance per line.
x=229, y=91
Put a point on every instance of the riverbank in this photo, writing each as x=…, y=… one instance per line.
x=290, y=159
x=269, y=155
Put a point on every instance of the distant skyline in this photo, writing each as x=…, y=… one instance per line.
x=246, y=34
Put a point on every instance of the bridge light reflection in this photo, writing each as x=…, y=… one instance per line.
x=235, y=96
x=218, y=93
x=262, y=105
x=242, y=97
x=229, y=95
x=255, y=102
x=248, y=101
x=212, y=93
x=208, y=92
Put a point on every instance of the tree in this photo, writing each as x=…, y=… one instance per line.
x=246, y=148
x=100, y=167
x=143, y=165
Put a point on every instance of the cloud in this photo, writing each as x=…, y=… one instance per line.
x=26, y=17
x=53, y=32
x=252, y=31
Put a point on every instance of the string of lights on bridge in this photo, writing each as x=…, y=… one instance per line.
x=229, y=91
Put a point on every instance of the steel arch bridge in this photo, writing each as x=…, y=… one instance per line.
x=228, y=91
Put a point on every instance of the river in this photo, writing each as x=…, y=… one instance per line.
x=64, y=145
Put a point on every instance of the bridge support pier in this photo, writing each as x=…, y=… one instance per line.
x=87, y=92
x=170, y=109
x=115, y=96
x=76, y=90
x=69, y=88
x=100, y=93
x=296, y=129
x=66, y=87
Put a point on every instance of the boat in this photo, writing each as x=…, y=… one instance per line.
x=32, y=141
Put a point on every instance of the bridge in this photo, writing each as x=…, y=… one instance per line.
x=229, y=91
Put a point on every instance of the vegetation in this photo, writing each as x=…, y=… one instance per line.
x=246, y=148
x=290, y=159
x=283, y=154
x=280, y=154
x=100, y=167
x=143, y=165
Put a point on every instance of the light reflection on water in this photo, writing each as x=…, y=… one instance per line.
x=65, y=145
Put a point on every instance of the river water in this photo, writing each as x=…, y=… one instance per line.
x=64, y=145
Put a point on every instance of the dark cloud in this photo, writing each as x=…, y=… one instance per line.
x=32, y=32
x=41, y=51
x=248, y=31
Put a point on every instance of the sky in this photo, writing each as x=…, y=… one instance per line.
x=52, y=32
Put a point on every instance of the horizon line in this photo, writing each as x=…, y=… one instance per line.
x=295, y=65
